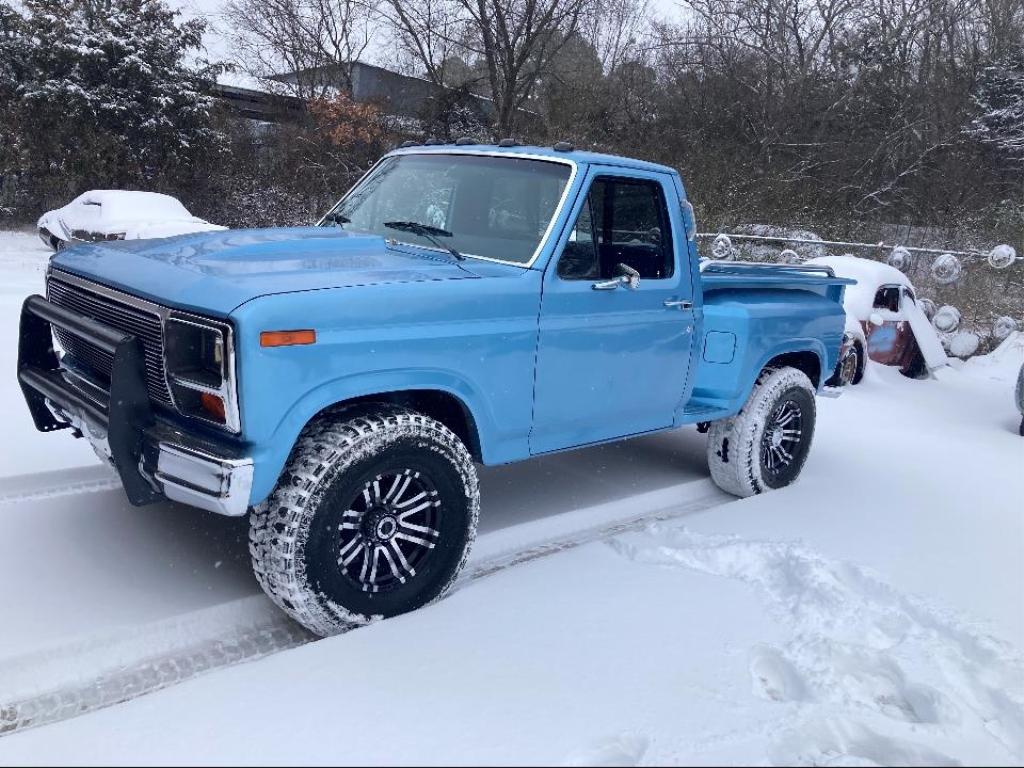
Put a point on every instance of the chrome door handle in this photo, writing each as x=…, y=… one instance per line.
x=681, y=303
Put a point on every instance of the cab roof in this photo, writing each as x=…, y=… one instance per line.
x=545, y=153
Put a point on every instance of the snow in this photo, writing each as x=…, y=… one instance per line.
x=860, y=298
x=963, y=344
x=946, y=318
x=618, y=610
x=139, y=215
x=23, y=259
x=1003, y=327
x=1002, y=363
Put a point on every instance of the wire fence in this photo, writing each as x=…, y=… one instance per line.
x=880, y=247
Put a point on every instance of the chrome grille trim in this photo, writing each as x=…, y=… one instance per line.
x=122, y=311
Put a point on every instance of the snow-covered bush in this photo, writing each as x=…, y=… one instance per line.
x=1002, y=256
x=963, y=344
x=900, y=258
x=946, y=269
x=946, y=319
x=778, y=248
x=722, y=248
x=1003, y=327
x=928, y=307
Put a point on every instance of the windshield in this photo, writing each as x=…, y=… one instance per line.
x=485, y=206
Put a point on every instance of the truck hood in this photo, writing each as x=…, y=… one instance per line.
x=215, y=272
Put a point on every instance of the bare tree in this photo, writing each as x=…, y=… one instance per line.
x=431, y=33
x=513, y=40
x=615, y=29
x=317, y=40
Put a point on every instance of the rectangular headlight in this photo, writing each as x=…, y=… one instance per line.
x=199, y=357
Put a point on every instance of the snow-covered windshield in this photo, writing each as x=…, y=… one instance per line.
x=126, y=205
x=485, y=206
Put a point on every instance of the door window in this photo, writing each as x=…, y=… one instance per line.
x=623, y=221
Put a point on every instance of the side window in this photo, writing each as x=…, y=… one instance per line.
x=623, y=221
x=888, y=297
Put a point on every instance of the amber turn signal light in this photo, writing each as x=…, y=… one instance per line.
x=287, y=338
x=213, y=405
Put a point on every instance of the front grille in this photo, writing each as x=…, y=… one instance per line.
x=145, y=325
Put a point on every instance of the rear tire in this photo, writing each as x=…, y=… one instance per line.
x=862, y=361
x=765, y=445
x=850, y=368
x=374, y=516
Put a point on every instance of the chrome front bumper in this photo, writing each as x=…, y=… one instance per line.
x=178, y=468
x=214, y=483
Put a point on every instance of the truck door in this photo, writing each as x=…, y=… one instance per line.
x=616, y=321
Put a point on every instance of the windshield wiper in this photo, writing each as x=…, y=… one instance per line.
x=337, y=218
x=426, y=230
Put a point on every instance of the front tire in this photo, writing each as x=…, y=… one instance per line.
x=374, y=516
x=765, y=445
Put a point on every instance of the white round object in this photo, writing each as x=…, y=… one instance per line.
x=1003, y=327
x=899, y=258
x=946, y=269
x=946, y=319
x=789, y=256
x=722, y=248
x=964, y=344
x=928, y=307
x=1001, y=256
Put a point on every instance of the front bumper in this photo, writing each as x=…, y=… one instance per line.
x=153, y=458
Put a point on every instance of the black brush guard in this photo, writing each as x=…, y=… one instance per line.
x=124, y=412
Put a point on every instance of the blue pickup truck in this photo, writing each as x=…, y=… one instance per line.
x=461, y=305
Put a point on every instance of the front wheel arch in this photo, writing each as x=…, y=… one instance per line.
x=296, y=562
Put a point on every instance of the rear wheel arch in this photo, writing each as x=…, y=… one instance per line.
x=806, y=361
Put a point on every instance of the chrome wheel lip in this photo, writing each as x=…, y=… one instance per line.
x=782, y=437
x=388, y=530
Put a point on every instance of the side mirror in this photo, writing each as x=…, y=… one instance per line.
x=629, y=278
x=875, y=319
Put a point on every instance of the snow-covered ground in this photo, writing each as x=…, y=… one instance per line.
x=618, y=609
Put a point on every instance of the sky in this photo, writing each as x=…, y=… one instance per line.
x=218, y=48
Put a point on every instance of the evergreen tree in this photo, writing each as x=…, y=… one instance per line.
x=102, y=94
x=1000, y=101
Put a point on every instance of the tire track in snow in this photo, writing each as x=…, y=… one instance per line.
x=122, y=684
x=49, y=485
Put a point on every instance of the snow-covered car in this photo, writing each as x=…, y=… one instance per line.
x=113, y=214
x=884, y=304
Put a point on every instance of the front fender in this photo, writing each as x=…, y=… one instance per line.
x=272, y=453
